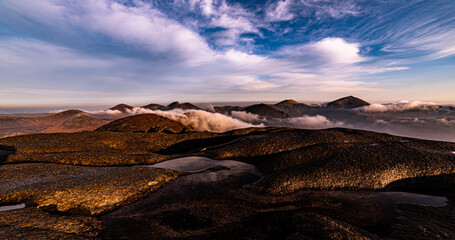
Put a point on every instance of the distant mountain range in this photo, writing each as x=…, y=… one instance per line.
x=77, y=121
x=283, y=109
x=432, y=121
x=65, y=122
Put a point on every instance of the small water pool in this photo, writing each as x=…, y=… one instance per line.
x=12, y=207
x=418, y=199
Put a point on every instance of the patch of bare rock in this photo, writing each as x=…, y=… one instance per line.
x=313, y=184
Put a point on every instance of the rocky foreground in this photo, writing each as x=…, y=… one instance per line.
x=281, y=183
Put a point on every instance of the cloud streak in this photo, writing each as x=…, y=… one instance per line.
x=209, y=49
x=403, y=105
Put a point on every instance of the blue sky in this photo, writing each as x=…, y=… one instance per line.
x=99, y=51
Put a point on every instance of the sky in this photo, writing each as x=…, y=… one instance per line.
x=103, y=51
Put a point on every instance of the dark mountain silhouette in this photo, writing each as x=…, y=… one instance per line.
x=347, y=102
x=184, y=106
x=266, y=111
x=227, y=109
x=293, y=108
x=121, y=107
x=143, y=123
x=67, y=113
x=154, y=106
x=287, y=102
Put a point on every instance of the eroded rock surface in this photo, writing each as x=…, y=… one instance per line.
x=144, y=123
x=296, y=197
x=77, y=189
x=32, y=223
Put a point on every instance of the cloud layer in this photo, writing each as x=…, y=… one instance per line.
x=199, y=120
x=403, y=105
x=216, y=49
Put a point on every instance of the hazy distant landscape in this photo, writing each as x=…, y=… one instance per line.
x=416, y=119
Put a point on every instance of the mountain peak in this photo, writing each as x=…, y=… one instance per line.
x=183, y=106
x=266, y=110
x=287, y=102
x=121, y=107
x=347, y=102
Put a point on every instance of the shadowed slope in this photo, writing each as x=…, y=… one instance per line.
x=121, y=107
x=347, y=102
x=184, y=106
x=153, y=106
x=293, y=108
x=227, y=109
x=266, y=111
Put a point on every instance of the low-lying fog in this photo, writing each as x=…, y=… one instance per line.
x=404, y=118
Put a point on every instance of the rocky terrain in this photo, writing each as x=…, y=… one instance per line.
x=117, y=175
x=254, y=183
x=411, y=119
x=144, y=123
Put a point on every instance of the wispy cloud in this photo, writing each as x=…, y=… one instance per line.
x=280, y=11
x=202, y=49
x=332, y=9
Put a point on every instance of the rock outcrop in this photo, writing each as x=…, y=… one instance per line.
x=315, y=184
x=144, y=123
x=77, y=189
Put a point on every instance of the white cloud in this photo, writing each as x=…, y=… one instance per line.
x=145, y=27
x=19, y=53
x=447, y=121
x=330, y=50
x=199, y=120
x=399, y=106
x=337, y=50
x=248, y=83
x=279, y=11
x=307, y=122
x=235, y=20
x=140, y=26
x=247, y=117
x=333, y=9
x=168, y=57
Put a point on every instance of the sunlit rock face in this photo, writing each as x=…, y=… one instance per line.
x=82, y=190
x=247, y=183
x=143, y=123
